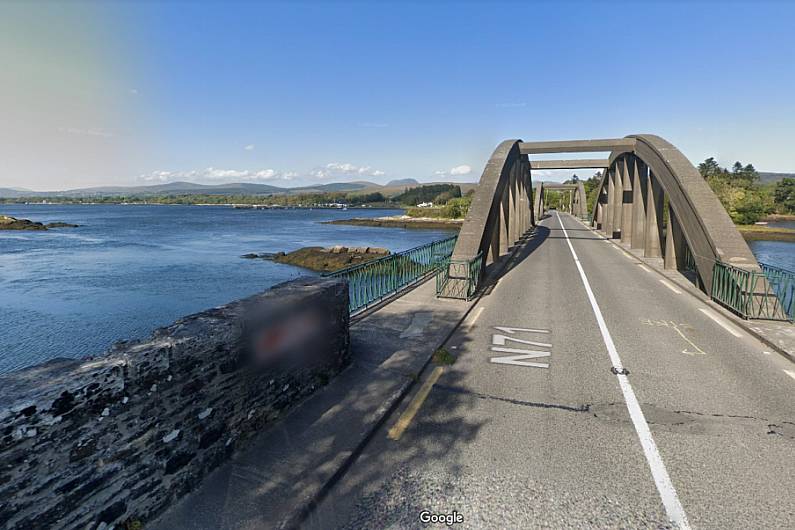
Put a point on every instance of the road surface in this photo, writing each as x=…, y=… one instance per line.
x=640, y=408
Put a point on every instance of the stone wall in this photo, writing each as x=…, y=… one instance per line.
x=116, y=439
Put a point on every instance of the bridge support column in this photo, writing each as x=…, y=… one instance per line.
x=504, y=223
x=597, y=220
x=609, y=206
x=654, y=217
x=674, y=243
x=618, y=203
x=512, y=206
x=494, y=246
x=638, y=203
x=626, y=200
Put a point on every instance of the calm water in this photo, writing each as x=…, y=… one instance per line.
x=778, y=253
x=72, y=292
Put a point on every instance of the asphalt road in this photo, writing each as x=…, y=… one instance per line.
x=516, y=444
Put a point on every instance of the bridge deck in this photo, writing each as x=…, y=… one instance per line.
x=509, y=445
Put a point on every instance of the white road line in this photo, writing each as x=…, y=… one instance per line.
x=721, y=322
x=790, y=373
x=514, y=330
x=471, y=319
x=644, y=267
x=670, y=500
x=670, y=286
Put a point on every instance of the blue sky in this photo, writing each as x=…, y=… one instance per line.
x=295, y=93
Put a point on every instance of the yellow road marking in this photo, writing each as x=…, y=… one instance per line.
x=404, y=421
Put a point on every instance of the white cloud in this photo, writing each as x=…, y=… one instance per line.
x=213, y=175
x=336, y=169
x=249, y=147
x=456, y=171
x=216, y=175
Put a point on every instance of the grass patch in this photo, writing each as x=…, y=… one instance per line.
x=443, y=357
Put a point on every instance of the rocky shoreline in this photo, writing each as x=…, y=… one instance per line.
x=321, y=259
x=12, y=223
x=401, y=221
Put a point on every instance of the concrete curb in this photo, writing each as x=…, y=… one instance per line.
x=697, y=294
x=295, y=520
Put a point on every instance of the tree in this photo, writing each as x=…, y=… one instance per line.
x=737, y=168
x=592, y=189
x=784, y=195
x=709, y=168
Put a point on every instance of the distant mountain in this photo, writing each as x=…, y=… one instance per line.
x=171, y=188
x=336, y=186
x=403, y=182
x=767, y=177
x=242, y=188
x=174, y=188
x=13, y=192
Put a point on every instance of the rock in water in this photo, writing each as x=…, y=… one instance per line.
x=12, y=223
x=325, y=259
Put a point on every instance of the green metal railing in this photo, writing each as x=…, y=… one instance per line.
x=782, y=282
x=376, y=280
x=766, y=294
x=458, y=278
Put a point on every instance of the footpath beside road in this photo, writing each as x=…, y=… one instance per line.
x=280, y=475
x=589, y=392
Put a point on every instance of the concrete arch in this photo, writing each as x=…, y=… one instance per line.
x=575, y=195
x=640, y=179
x=501, y=210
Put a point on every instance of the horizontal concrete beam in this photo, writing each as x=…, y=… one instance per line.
x=570, y=164
x=577, y=146
x=548, y=186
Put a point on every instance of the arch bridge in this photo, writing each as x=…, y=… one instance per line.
x=650, y=198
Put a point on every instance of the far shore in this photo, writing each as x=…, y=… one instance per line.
x=766, y=233
x=773, y=217
x=401, y=221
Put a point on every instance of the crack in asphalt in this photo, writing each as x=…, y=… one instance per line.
x=593, y=409
x=533, y=404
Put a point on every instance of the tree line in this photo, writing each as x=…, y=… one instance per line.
x=742, y=194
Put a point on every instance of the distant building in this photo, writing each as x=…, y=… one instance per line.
x=425, y=205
